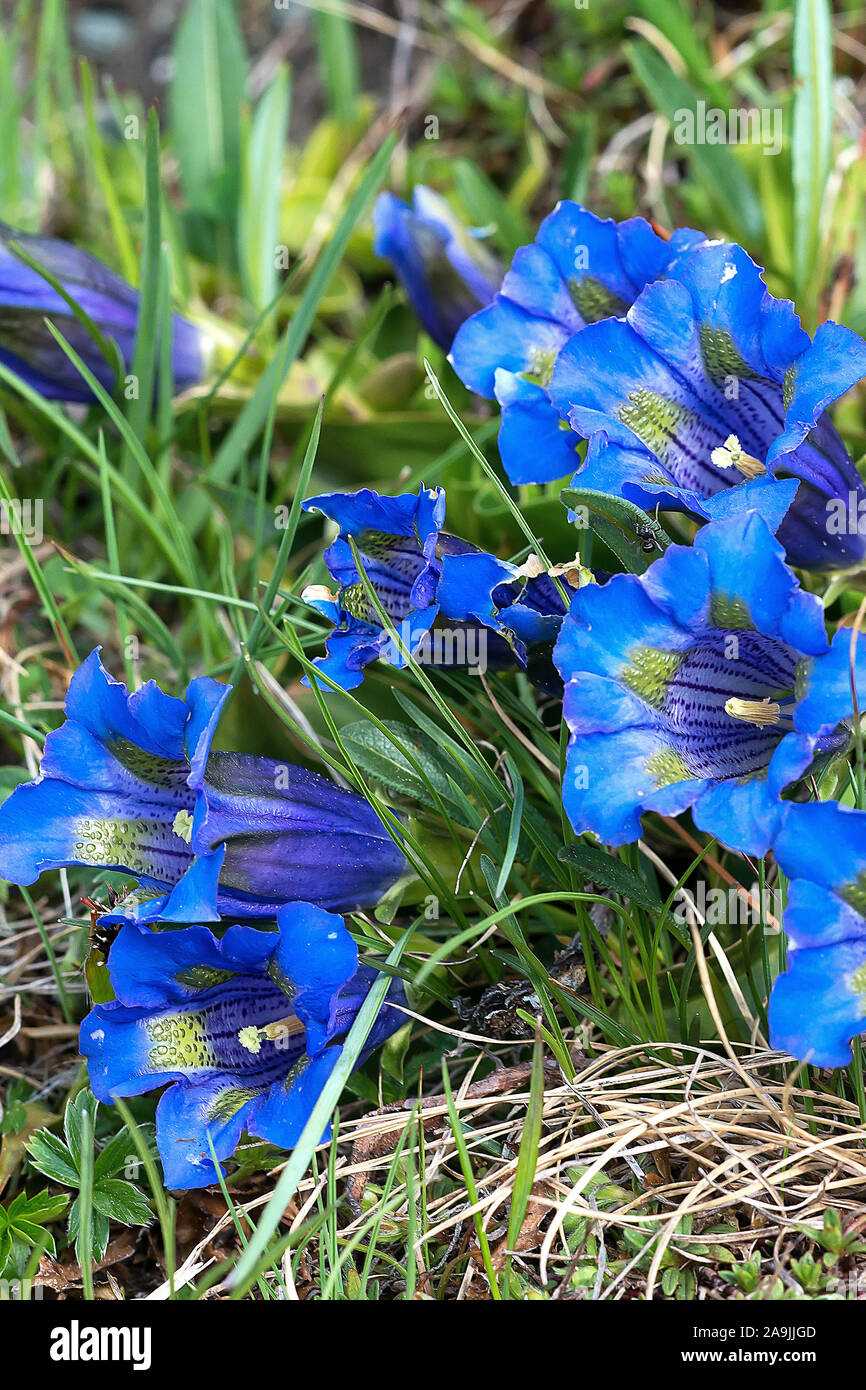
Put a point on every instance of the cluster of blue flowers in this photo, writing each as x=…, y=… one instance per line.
x=659, y=371
x=248, y=1026
x=709, y=682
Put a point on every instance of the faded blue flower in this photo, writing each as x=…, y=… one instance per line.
x=27, y=299
x=446, y=270
x=244, y=1031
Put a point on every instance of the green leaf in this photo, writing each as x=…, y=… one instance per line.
x=621, y=525
x=338, y=62
x=207, y=91
x=99, y=1231
x=15, y=1114
x=30, y=1233
x=121, y=1201
x=23, y=1222
x=259, y=213
x=257, y=409
x=394, y=1051
x=49, y=1154
x=513, y=828
x=672, y=19
x=812, y=136
x=143, y=366
x=43, y=1207
x=486, y=207
x=119, y=1150
x=376, y=754
x=73, y=1123
x=527, y=1156
x=611, y=873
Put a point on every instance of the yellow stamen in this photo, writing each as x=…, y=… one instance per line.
x=762, y=713
x=283, y=1028
x=182, y=826
x=732, y=455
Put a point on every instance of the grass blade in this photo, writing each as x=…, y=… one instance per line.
x=812, y=134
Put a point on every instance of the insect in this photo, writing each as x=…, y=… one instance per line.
x=646, y=532
x=102, y=935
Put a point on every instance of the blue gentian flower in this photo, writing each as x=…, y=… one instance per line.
x=245, y=1030
x=451, y=603
x=129, y=782
x=705, y=391
x=706, y=682
x=819, y=1004
x=578, y=270
x=446, y=270
x=27, y=299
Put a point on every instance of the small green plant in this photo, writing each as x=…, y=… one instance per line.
x=835, y=1239
x=811, y=1275
x=23, y=1227
x=745, y=1276
x=69, y=1163
x=13, y=1116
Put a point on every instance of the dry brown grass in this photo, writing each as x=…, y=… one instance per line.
x=684, y=1131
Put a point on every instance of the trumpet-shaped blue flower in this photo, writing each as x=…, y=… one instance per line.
x=706, y=682
x=819, y=1004
x=451, y=604
x=129, y=782
x=706, y=391
x=446, y=270
x=245, y=1030
x=27, y=299
x=578, y=270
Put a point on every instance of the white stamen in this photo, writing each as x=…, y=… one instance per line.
x=249, y=1038
x=731, y=454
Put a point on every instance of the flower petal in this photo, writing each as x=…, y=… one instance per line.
x=819, y=1004
x=825, y=684
x=290, y=835
x=187, y=1115
x=314, y=957
x=283, y=1112
x=611, y=777
x=825, y=842
x=150, y=969
x=447, y=274
x=49, y=825
x=535, y=445
x=507, y=336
